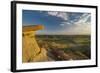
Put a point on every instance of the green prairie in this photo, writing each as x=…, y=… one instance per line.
x=66, y=47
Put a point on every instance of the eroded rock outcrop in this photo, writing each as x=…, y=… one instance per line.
x=31, y=52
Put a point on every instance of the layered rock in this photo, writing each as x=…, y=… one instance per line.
x=31, y=52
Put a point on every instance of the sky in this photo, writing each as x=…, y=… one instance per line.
x=58, y=23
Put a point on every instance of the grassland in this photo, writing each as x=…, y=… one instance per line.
x=66, y=47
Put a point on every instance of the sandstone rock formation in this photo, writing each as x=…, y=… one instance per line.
x=31, y=52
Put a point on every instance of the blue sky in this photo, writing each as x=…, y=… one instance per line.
x=58, y=23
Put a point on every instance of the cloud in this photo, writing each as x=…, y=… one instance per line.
x=80, y=29
x=70, y=24
x=83, y=19
x=62, y=24
x=62, y=15
x=81, y=26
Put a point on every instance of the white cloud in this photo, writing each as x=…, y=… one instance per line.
x=79, y=27
x=62, y=15
x=53, y=13
x=76, y=30
x=83, y=19
x=67, y=23
x=71, y=28
x=62, y=24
